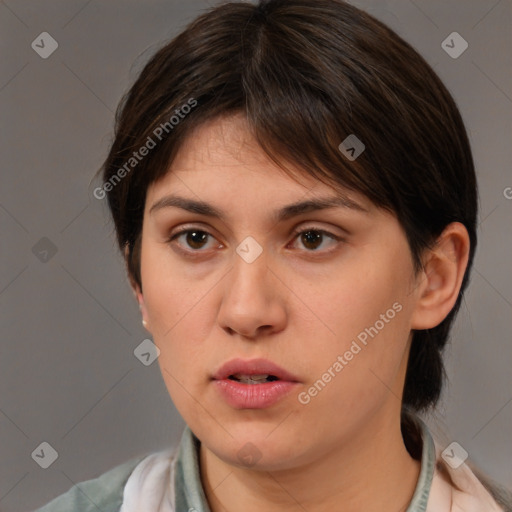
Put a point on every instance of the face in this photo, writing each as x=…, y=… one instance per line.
x=327, y=294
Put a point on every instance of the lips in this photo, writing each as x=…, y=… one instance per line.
x=253, y=371
x=253, y=384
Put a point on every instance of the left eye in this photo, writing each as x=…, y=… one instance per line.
x=312, y=239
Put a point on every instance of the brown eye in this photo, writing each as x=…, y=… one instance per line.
x=311, y=239
x=196, y=239
x=192, y=239
x=314, y=239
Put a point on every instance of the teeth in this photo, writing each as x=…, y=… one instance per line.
x=253, y=379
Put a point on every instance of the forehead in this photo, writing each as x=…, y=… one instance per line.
x=222, y=159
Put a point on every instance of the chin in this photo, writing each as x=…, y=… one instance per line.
x=255, y=445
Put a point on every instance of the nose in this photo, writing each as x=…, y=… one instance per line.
x=253, y=299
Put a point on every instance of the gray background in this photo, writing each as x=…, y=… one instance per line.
x=69, y=325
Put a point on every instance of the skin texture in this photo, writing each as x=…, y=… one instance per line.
x=301, y=304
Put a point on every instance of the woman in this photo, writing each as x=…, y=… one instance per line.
x=299, y=235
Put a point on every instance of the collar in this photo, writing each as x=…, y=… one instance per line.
x=428, y=462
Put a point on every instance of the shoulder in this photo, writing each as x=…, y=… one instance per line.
x=104, y=492
x=467, y=489
x=501, y=494
x=450, y=483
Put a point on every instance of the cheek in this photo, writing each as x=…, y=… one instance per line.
x=180, y=320
x=353, y=374
x=366, y=309
x=179, y=332
x=363, y=297
x=179, y=314
x=172, y=292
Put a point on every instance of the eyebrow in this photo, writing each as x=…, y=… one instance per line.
x=284, y=213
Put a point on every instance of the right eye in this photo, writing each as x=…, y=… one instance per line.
x=192, y=240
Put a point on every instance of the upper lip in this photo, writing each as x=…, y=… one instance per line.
x=253, y=367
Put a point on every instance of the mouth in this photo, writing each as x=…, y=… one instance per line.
x=253, y=379
x=253, y=384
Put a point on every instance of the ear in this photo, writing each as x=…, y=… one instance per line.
x=137, y=291
x=441, y=277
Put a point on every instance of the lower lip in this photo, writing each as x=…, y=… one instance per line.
x=253, y=396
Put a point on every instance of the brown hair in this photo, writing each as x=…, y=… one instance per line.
x=306, y=74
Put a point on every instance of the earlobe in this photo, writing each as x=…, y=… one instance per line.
x=442, y=275
x=142, y=307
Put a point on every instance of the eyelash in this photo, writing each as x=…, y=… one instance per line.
x=294, y=235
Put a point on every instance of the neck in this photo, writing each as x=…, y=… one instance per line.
x=371, y=472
